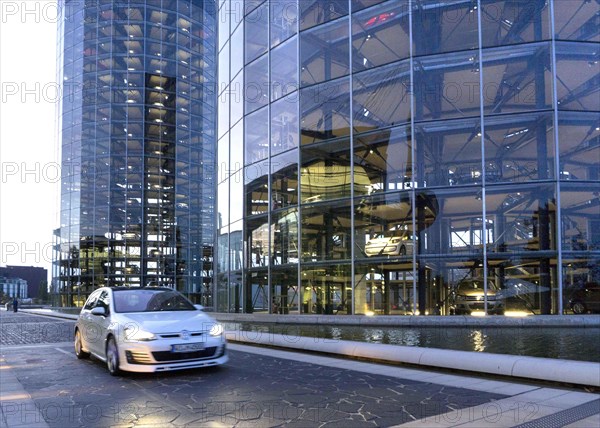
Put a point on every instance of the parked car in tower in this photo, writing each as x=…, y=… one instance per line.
x=147, y=329
x=389, y=244
x=586, y=299
x=468, y=297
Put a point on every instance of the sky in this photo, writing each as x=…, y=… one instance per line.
x=29, y=149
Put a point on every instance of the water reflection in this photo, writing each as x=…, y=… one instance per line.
x=478, y=339
x=567, y=343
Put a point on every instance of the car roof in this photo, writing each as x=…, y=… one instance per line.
x=121, y=288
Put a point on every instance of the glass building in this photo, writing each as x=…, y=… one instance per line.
x=137, y=121
x=407, y=157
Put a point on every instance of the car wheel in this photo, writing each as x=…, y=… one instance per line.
x=403, y=250
x=579, y=308
x=79, y=352
x=112, y=357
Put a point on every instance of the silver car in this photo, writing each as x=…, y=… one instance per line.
x=147, y=329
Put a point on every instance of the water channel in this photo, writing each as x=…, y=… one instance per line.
x=582, y=344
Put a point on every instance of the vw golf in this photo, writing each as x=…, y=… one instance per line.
x=147, y=329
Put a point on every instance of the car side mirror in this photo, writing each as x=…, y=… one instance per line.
x=98, y=310
x=199, y=307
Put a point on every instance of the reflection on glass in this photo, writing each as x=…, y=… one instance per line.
x=446, y=86
x=382, y=97
x=519, y=148
x=449, y=154
x=326, y=290
x=326, y=231
x=577, y=20
x=505, y=22
x=325, y=111
x=325, y=173
x=517, y=79
x=578, y=136
x=380, y=35
x=444, y=26
x=284, y=124
x=317, y=12
x=577, y=76
x=385, y=156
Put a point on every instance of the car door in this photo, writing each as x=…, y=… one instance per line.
x=99, y=324
x=87, y=335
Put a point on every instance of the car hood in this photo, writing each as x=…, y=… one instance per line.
x=170, y=321
x=475, y=293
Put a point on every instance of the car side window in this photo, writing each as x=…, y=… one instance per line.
x=103, y=301
x=89, y=304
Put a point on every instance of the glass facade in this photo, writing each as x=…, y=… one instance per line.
x=407, y=157
x=138, y=124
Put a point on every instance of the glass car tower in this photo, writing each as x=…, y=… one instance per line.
x=407, y=157
x=137, y=129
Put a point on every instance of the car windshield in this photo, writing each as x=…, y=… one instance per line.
x=148, y=300
x=475, y=285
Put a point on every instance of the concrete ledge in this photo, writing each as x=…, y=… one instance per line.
x=546, y=369
x=491, y=321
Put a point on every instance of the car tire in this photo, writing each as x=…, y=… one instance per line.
x=403, y=250
x=112, y=357
x=578, y=308
x=78, y=343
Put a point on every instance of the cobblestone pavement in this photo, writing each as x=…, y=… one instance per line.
x=255, y=389
x=21, y=329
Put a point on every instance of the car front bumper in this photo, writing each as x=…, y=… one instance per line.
x=157, y=356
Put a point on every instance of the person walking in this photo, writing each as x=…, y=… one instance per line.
x=15, y=305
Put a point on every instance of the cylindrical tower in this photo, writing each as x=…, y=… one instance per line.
x=137, y=136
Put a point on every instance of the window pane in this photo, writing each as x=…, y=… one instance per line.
x=256, y=89
x=380, y=35
x=446, y=86
x=519, y=148
x=325, y=172
x=284, y=124
x=257, y=136
x=383, y=227
x=385, y=158
x=284, y=176
x=313, y=12
x=326, y=231
x=257, y=36
x=444, y=26
x=578, y=76
x=577, y=20
x=284, y=20
x=579, y=146
x=506, y=22
x=284, y=69
x=324, y=52
x=325, y=111
x=382, y=97
x=580, y=218
x=449, y=153
x=284, y=237
x=256, y=188
x=517, y=78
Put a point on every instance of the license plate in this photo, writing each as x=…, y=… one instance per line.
x=188, y=347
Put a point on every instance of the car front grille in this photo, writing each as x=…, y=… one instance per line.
x=164, y=356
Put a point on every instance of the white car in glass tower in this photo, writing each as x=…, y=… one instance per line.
x=147, y=329
x=389, y=244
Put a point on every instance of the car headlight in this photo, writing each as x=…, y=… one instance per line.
x=216, y=330
x=137, y=334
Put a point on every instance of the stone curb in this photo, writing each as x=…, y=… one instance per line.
x=546, y=369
